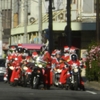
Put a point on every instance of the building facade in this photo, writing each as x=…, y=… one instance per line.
x=83, y=21
x=5, y=22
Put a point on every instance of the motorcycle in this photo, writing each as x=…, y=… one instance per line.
x=25, y=76
x=57, y=76
x=73, y=81
x=37, y=74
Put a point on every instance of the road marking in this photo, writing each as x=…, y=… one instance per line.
x=91, y=92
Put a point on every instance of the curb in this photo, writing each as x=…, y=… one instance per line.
x=92, y=84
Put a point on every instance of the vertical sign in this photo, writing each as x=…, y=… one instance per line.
x=0, y=48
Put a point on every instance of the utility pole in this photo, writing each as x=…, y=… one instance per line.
x=68, y=27
x=25, y=39
x=98, y=20
x=50, y=27
x=10, y=20
x=40, y=21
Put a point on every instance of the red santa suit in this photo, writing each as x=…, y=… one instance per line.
x=19, y=58
x=48, y=73
x=13, y=72
x=28, y=58
x=16, y=71
x=53, y=54
x=66, y=57
x=77, y=63
x=73, y=62
x=64, y=74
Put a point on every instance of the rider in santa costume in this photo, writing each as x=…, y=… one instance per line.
x=48, y=73
x=74, y=61
x=55, y=63
x=9, y=60
x=13, y=71
x=66, y=55
x=64, y=73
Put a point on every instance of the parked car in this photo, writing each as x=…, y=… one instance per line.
x=2, y=67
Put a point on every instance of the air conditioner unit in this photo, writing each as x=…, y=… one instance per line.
x=32, y=19
x=61, y=16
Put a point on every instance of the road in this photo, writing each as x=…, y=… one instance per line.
x=8, y=92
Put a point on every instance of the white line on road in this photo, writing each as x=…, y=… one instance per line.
x=91, y=92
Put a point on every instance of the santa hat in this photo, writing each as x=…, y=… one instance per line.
x=72, y=49
x=34, y=54
x=19, y=45
x=53, y=53
x=66, y=48
x=58, y=52
x=13, y=48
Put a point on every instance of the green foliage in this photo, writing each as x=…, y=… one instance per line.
x=93, y=63
x=93, y=72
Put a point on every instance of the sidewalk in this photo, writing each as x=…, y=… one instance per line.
x=92, y=84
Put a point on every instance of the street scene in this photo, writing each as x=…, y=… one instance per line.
x=49, y=49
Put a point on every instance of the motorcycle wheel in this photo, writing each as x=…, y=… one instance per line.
x=76, y=83
x=35, y=83
x=15, y=83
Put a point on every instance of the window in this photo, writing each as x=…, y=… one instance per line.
x=73, y=1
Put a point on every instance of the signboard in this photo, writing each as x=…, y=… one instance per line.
x=84, y=54
x=0, y=48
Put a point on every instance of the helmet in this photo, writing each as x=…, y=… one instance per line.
x=19, y=50
x=74, y=57
x=25, y=50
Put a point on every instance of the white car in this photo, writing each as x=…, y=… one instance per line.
x=2, y=67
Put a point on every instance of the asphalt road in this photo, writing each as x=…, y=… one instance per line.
x=8, y=92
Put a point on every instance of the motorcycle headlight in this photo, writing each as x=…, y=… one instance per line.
x=25, y=68
x=11, y=67
x=40, y=66
x=75, y=70
x=59, y=70
x=35, y=64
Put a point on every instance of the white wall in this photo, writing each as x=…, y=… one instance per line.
x=6, y=4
